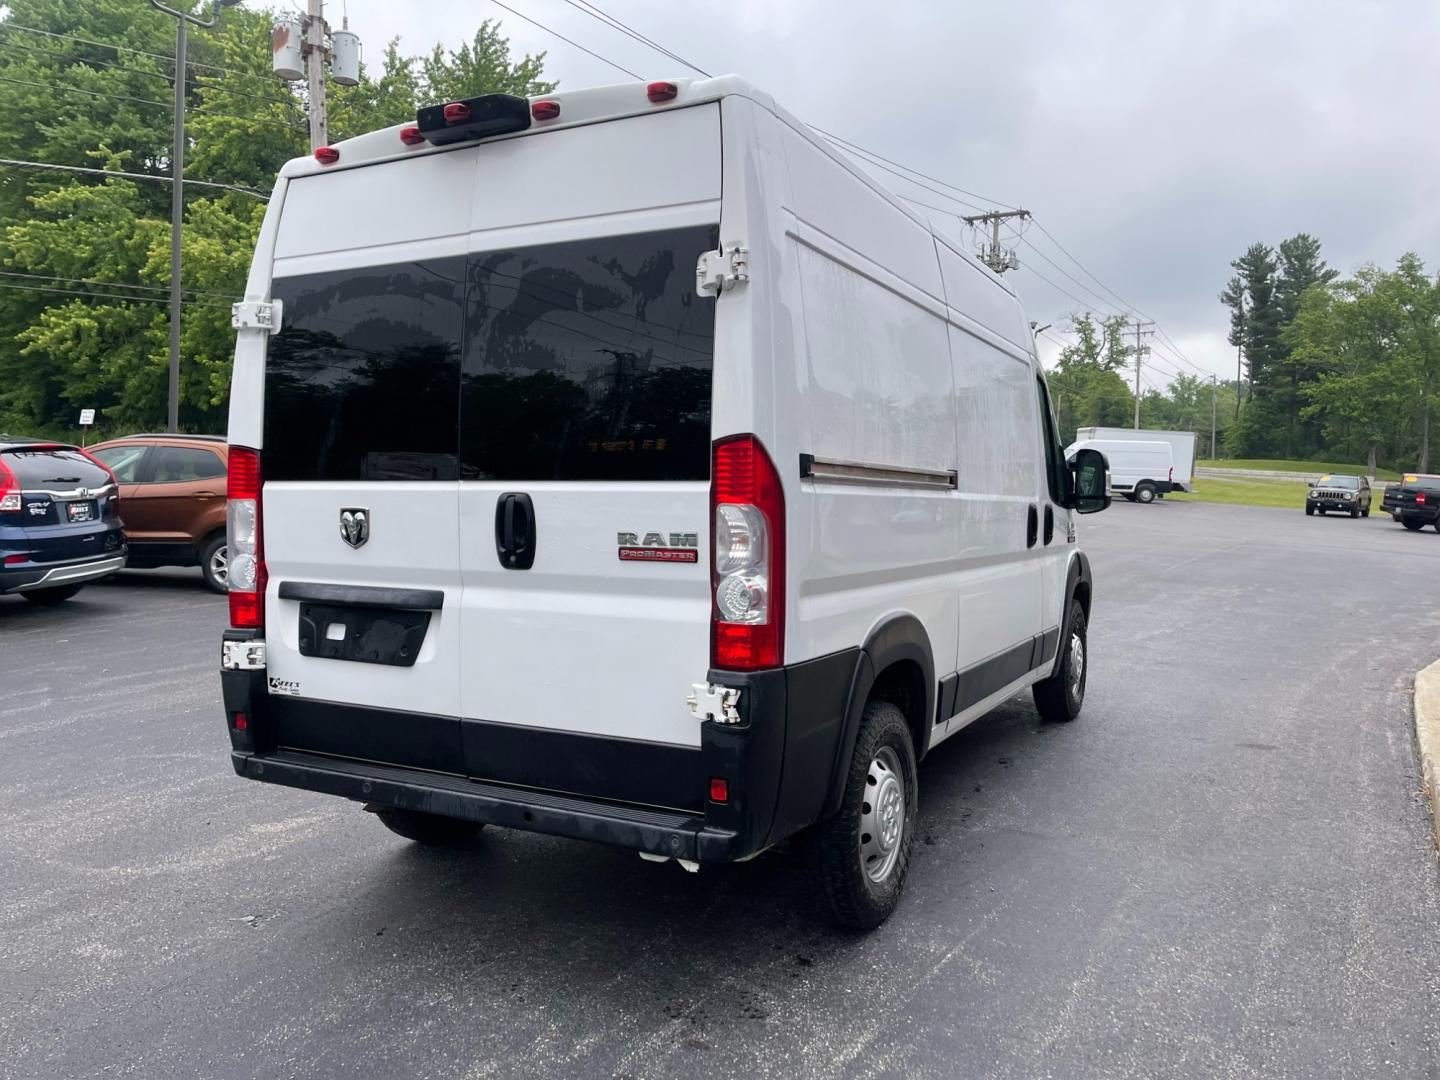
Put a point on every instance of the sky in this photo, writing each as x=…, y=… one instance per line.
x=1154, y=141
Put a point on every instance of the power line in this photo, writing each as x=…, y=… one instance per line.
x=112, y=284
x=934, y=180
x=562, y=37
x=14, y=164
x=108, y=296
x=126, y=49
x=610, y=20
x=201, y=111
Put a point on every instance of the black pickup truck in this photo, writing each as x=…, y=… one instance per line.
x=1416, y=501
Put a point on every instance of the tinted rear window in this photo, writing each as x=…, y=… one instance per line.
x=587, y=360
x=54, y=470
x=363, y=381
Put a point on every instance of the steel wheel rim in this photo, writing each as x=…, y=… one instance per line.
x=882, y=815
x=1077, y=664
x=220, y=565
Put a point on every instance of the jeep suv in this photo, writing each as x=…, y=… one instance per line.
x=1346, y=494
x=172, y=498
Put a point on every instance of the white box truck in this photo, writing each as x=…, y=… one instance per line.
x=625, y=464
x=1182, y=447
x=1140, y=471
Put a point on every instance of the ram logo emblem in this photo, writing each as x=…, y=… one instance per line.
x=355, y=525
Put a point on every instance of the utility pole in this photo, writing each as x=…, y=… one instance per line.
x=315, y=68
x=1214, y=400
x=300, y=46
x=1141, y=328
x=992, y=254
x=177, y=194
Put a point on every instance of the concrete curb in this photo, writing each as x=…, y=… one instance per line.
x=1427, y=738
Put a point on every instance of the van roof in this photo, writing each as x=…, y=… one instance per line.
x=597, y=104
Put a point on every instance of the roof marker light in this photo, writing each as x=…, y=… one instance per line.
x=456, y=112
x=411, y=136
x=661, y=91
x=327, y=155
x=545, y=110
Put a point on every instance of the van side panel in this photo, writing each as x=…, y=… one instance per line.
x=873, y=386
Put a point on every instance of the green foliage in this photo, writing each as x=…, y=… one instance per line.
x=108, y=239
x=1086, y=385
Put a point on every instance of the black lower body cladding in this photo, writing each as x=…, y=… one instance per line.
x=778, y=763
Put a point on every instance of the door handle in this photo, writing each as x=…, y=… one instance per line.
x=515, y=530
x=1032, y=527
x=203, y=495
x=1049, y=523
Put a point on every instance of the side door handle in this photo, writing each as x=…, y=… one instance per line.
x=515, y=530
x=1032, y=527
x=1049, y=523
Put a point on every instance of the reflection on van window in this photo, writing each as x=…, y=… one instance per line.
x=363, y=380
x=589, y=360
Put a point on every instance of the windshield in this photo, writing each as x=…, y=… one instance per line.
x=1344, y=483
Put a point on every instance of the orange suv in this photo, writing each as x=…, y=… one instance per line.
x=172, y=500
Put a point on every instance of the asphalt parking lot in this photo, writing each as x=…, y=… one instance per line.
x=1222, y=869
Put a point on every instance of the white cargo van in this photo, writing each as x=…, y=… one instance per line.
x=1138, y=470
x=626, y=465
x=1182, y=448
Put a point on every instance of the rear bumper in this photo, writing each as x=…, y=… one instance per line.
x=777, y=762
x=57, y=575
x=659, y=832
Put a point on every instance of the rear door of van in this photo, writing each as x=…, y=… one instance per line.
x=360, y=462
x=585, y=451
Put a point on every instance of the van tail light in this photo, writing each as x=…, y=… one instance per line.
x=661, y=91
x=327, y=155
x=411, y=136
x=747, y=557
x=244, y=537
x=9, y=489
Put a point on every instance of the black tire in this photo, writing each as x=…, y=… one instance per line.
x=1309, y=511
x=1145, y=493
x=214, y=565
x=1365, y=513
x=843, y=886
x=1412, y=524
x=432, y=830
x=1354, y=512
x=1060, y=697
x=1129, y=496
x=46, y=597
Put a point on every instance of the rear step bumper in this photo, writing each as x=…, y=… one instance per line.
x=659, y=832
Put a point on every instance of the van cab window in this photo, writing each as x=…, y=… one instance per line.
x=1055, y=467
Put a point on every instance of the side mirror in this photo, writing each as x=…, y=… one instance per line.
x=1091, y=490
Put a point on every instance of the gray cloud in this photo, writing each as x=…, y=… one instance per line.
x=1156, y=141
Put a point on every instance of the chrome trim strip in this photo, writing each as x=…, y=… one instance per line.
x=73, y=572
x=833, y=471
x=94, y=493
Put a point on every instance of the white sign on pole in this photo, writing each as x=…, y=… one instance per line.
x=87, y=417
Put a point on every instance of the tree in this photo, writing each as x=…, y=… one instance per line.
x=1374, y=342
x=84, y=261
x=1086, y=384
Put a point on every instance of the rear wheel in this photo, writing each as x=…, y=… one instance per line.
x=215, y=564
x=1145, y=492
x=861, y=855
x=433, y=830
x=58, y=595
x=1365, y=512
x=1060, y=697
x=1413, y=524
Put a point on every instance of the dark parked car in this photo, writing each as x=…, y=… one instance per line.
x=1417, y=503
x=1342, y=493
x=59, y=524
x=172, y=499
